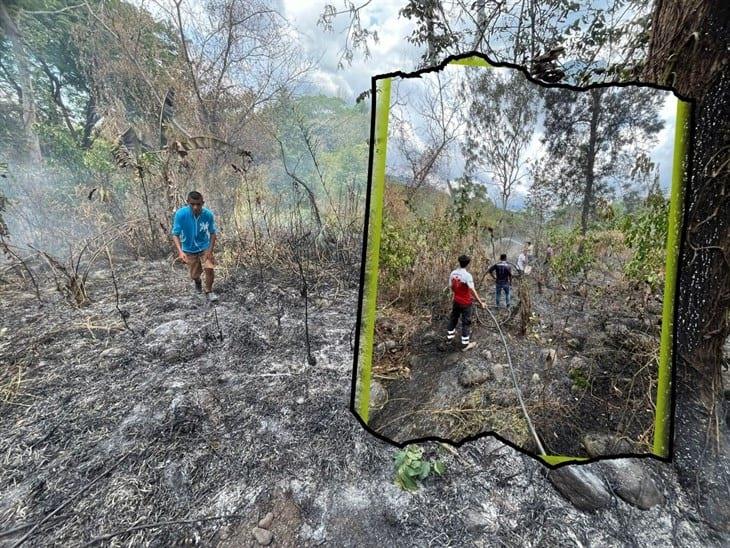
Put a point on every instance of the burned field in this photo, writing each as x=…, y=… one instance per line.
x=585, y=370
x=168, y=435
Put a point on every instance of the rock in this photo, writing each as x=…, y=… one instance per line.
x=380, y=348
x=575, y=344
x=599, y=444
x=577, y=362
x=186, y=413
x=262, y=536
x=390, y=345
x=631, y=481
x=378, y=395
x=175, y=340
x=575, y=389
x=549, y=357
x=498, y=372
x=535, y=378
x=266, y=521
x=475, y=521
x=452, y=358
x=471, y=375
x=487, y=354
x=581, y=487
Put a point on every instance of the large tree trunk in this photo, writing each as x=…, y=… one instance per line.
x=32, y=146
x=687, y=51
x=591, y=160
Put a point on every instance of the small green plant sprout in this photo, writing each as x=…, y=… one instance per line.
x=411, y=467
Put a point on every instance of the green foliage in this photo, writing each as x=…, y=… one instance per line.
x=578, y=376
x=397, y=251
x=574, y=253
x=99, y=158
x=466, y=212
x=645, y=233
x=411, y=467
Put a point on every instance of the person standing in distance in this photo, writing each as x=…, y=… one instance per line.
x=461, y=284
x=194, y=233
x=501, y=273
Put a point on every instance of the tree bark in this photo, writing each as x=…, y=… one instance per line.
x=687, y=52
x=591, y=160
x=32, y=145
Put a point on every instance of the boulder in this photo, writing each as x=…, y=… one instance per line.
x=378, y=395
x=631, y=481
x=599, y=444
x=582, y=487
x=472, y=375
x=498, y=372
x=262, y=536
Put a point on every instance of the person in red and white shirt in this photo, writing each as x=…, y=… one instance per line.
x=461, y=284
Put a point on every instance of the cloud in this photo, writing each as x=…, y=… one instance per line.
x=391, y=52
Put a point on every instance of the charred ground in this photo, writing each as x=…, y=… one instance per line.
x=172, y=436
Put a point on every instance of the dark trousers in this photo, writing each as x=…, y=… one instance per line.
x=463, y=312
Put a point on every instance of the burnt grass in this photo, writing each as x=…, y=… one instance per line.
x=168, y=435
x=595, y=356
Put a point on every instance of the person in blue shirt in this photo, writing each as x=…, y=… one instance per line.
x=194, y=233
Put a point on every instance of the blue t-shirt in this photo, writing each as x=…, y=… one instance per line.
x=194, y=232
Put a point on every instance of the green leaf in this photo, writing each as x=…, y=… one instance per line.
x=425, y=470
x=439, y=468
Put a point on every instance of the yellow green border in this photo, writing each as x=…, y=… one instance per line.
x=662, y=419
x=662, y=423
x=382, y=111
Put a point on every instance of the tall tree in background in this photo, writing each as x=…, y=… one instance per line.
x=501, y=118
x=587, y=134
x=24, y=83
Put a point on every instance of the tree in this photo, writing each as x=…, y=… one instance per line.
x=587, y=134
x=688, y=51
x=24, y=83
x=502, y=113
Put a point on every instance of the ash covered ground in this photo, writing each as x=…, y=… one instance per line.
x=168, y=435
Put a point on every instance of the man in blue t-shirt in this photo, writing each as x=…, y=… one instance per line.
x=194, y=234
x=501, y=273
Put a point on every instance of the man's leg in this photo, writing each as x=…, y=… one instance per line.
x=453, y=320
x=496, y=293
x=465, y=323
x=209, y=272
x=195, y=268
x=506, y=295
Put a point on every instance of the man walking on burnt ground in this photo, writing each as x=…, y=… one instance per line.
x=501, y=273
x=194, y=233
x=461, y=284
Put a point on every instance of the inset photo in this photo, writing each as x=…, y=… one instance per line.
x=520, y=262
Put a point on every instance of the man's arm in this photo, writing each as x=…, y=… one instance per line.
x=491, y=271
x=476, y=296
x=176, y=230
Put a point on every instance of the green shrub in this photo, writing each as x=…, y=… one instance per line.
x=411, y=467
